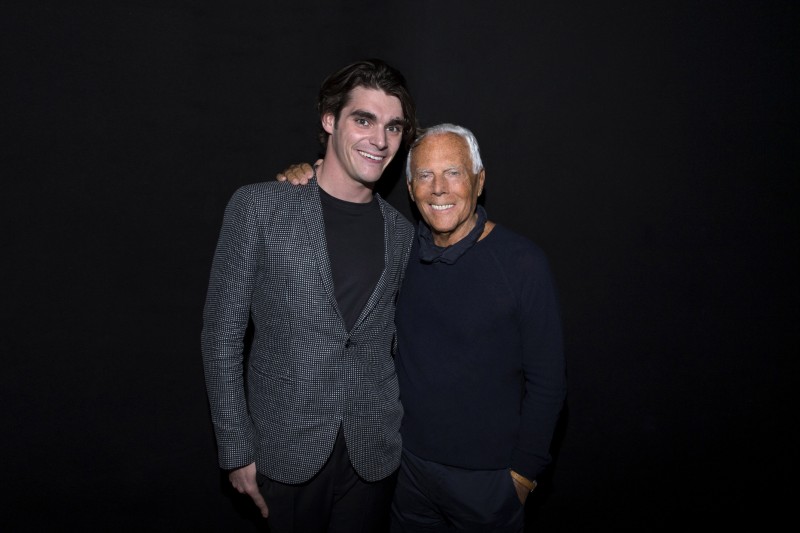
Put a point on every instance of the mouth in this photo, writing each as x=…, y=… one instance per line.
x=371, y=157
x=441, y=207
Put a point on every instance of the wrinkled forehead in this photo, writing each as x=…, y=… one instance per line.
x=441, y=150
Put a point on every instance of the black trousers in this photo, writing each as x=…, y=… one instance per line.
x=435, y=498
x=336, y=500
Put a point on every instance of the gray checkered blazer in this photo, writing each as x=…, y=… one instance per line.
x=305, y=374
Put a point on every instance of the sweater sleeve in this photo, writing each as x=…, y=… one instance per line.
x=543, y=365
x=225, y=319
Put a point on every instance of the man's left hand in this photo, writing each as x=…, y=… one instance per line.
x=522, y=492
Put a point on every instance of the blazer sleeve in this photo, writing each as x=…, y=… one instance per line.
x=225, y=319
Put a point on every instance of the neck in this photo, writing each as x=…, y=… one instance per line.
x=332, y=178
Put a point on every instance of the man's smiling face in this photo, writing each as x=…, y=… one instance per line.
x=367, y=134
x=444, y=186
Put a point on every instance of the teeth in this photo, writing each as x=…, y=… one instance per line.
x=441, y=207
x=370, y=156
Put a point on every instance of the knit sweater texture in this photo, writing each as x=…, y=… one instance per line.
x=480, y=357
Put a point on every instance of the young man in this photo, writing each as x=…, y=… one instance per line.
x=310, y=431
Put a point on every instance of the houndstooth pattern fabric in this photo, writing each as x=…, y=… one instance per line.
x=305, y=374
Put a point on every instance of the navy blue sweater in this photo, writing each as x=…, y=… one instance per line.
x=480, y=358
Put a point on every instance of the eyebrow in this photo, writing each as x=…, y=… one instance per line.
x=363, y=114
x=397, y=121
x=448, y=169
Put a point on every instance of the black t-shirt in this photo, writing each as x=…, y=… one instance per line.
x=354, y=235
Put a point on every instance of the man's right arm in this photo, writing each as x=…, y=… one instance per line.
x=225, y=319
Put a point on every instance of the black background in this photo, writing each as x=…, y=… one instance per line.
x=649, y=147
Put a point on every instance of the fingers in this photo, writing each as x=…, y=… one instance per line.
x=300, y=174
x=258, y=499
x=522, y=492
x=244, y=481
x=293, y=180
x=297, y=174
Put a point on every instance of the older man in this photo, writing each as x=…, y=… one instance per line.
x=480, y=358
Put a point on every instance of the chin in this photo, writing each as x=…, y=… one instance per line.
x=435, y=220
x=437, y=228
x=373, y=174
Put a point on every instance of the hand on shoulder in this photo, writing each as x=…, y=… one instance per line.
x=299, y=174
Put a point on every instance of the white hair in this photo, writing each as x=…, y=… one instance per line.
x=441, y=129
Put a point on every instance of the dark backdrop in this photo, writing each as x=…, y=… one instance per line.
x=648, y=147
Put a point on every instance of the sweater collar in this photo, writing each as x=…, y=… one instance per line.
x=430, y=253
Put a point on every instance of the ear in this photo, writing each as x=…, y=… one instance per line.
x=410, y=189
x=328, y=121
x=481, y=180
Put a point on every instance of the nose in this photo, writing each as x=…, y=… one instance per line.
x=439, y=184
x=379, y=139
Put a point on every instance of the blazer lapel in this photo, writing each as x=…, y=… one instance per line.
x=315, y=228
x=389, y=238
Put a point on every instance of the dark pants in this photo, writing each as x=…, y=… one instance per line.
x=336, y=500
x=432, y=497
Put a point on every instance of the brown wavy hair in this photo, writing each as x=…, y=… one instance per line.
x=335, y=91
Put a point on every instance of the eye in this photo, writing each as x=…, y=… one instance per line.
x=362, y=121
x=394, y=129
x=423, y=176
